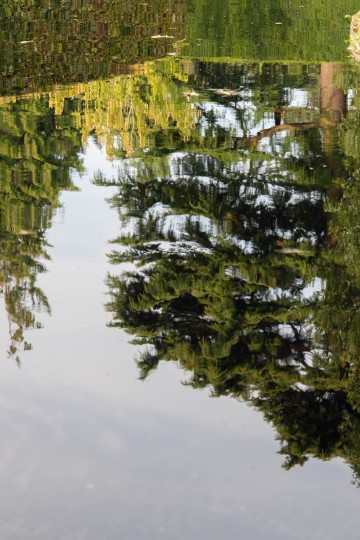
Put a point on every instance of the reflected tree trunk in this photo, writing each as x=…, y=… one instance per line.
x=332, y=98
x=333, y=108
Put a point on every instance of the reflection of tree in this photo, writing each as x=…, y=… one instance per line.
x=234, y=313
x=36, y=156
x=129, y=113
x=239, y=275
x=19, y=267
x=223, y=293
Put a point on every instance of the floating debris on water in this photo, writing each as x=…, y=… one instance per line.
x=160, y=36
x=190, y=94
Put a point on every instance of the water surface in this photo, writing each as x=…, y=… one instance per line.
x=179, y=247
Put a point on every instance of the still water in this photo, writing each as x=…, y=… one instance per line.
x=179, y=271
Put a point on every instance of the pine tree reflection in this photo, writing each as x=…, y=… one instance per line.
x=239, y=275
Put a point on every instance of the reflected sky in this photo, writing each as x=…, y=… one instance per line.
x=106, y=466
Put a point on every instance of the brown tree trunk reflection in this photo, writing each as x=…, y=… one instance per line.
x=333, y=107
x=332, y=98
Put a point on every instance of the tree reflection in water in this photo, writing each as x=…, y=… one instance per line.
x=237, y=233
x=240, y=274
x=37, y=153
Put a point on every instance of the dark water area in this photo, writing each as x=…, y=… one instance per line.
x=179, y=270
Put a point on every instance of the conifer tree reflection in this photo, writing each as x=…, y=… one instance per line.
x=37, y=152
x=239, y=276
x=220, y=277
